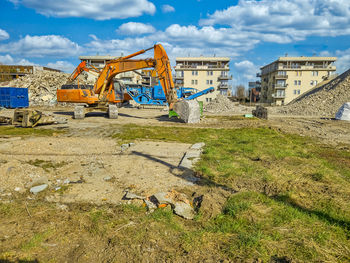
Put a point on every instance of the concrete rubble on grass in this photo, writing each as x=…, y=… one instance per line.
x=38, y=189
x=192, y=156
x=178, y=202
x=42, y=86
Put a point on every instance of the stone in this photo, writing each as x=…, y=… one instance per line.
x=37, y=181
x=38, y=189
x=107, y=178
x=184, y=210
x=188, y=111
x=198, y=145
x=129, y=195
x=344, y=112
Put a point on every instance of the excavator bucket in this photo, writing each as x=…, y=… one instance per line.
x=188, y=110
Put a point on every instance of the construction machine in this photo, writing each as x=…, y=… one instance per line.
x=107, y=94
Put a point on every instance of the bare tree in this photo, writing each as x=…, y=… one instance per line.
x=240, y=92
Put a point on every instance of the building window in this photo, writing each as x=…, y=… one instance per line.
x=210, y=73
x=299, y=73
x=194, y=82
x=295, y=82
x=315, y=73
x=298, y=91
x=282, y=73
x=209, y=82
x=194, y=73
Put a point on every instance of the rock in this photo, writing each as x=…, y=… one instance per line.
x=198, y=146
x=344, y=112
x=37, y=181
x=38, y=189
x=62, y=207
x=184, y=210
x=129, y=195
x=107, y=178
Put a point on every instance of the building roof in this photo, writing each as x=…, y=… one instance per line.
x=107, y=57
x=306, y=59
x=302, y=58
x=202, y=59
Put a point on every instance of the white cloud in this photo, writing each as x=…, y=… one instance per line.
x=40, y=46
x=343, y=61
x=62, y=65
x=167, y=9
x=4, y=35
x=99, y=10
x=285, y=21
x=133, y=28
x=8, y=60
x=246, y=71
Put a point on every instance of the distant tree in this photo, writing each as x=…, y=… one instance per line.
x=240, y=93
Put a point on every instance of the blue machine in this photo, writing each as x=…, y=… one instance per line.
x=11, y=97
x=155, y=95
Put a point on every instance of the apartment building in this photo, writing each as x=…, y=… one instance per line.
x=288, y=77
x=204, y=72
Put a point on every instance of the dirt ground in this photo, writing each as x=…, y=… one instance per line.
x=85, y=165
x=97, y=170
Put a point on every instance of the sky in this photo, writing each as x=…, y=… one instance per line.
x=252, y=33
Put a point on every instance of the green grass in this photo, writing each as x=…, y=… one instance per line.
x=46, y=165
x=292, y=203
x=304, y=186
x=13, y=131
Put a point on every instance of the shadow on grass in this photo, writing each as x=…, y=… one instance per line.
x=187, y=173
x=321, y=215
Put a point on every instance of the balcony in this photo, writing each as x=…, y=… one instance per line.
x=281, y=76
x=178, y=77
x=278, y=95
x=258, y=75
x=280, y=86
x=224, y=77
x=224, y=86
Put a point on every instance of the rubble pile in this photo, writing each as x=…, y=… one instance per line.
x=220, y=104
x=323, y=101
x=42, y=86
x=223, y=104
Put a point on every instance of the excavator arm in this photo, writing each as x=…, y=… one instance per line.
x=80, y=68
x=160, y=63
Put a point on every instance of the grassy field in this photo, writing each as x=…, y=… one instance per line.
x=291, y=203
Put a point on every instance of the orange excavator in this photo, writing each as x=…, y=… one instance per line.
x=107, y=94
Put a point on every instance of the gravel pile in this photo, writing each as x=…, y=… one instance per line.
x=323, y=101
x=223, y=104
x=220, y=104
x=42, y=86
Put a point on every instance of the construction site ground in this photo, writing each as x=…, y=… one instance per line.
x=274, y=190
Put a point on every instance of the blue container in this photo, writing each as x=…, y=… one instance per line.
x=14, y=97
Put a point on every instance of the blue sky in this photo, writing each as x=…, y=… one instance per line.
x=252, y=33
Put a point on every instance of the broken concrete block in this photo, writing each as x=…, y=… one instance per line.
x=198, y=146
x=38, y=189
x=184, y=210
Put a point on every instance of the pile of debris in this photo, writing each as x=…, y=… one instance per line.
x=42, y=86
x=223, y=104
x=220, y=104
x=323, y=101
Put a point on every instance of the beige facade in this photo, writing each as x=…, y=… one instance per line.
x=202, y=73
x=288, y=77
